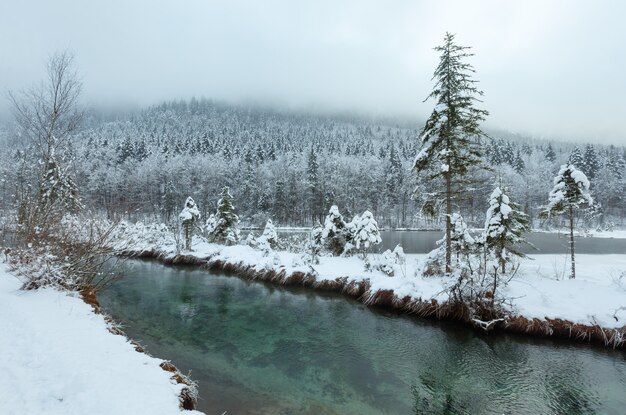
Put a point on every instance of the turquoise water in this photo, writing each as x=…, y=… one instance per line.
x=258, y=349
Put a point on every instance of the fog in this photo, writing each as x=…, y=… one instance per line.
x=548, y=68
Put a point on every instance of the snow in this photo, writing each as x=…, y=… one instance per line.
x=59, y=358
x=540, y=288
x=615, y=234
x=561, y=195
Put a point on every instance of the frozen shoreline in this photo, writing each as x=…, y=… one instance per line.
x=58, y=357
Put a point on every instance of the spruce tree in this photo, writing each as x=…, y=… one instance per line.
x=550, y=154
x=269, y=239
x=189, y=217
x=366, y=232
x=591, y=164
x=222, y=226
x=315, y=195
x=576, y=158
x=394, y=176
x=518, y=163
x=450, y=140
x=280, y=201
x=336, y=232
x=504, y=226
x=570, y=193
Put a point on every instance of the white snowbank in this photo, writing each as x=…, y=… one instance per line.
x=595, y=297
x=57, y=357
x=615, y=234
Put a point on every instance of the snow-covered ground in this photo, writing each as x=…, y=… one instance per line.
x=57, y=357
x=616, y=234
x=540, y=289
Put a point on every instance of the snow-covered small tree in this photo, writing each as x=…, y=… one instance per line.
x=570, y=193
x=269, y=239
x=315, y=242
x=189, y=217
x=336, y=233
x=463, y=243
x=222, y=226
x=504, y=226
x=390, y=261
x=366, y=233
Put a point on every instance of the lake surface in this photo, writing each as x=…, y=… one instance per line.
x=258, y=349
x=422, y=242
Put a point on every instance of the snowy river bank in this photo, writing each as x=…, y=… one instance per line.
x=60, y=357
x=543, y=302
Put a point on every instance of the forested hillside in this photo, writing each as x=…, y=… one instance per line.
x=293, y=166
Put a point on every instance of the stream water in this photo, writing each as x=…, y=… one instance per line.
x=421, y=242
x=260, y=349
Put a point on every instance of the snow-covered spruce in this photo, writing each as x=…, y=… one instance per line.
x=450, y=139
x=189, y=218
x=392, y=261
x=462, y=246
x=221, y=227
x=365, y=231
x=336, y=233
x=504, y=226
x=569, y=194
x=314, y=244
x=269, y=239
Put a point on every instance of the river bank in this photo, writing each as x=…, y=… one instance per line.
x=59, y=356
x=543, y=302
x=257, y=348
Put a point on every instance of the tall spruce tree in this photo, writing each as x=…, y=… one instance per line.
x=550, y=154
x=576, y=158
x=394, y=176
x=591, y=164
x=315, y=194
x=570, y=193
x=450, y=140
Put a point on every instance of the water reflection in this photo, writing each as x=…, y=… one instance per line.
x=258, y=349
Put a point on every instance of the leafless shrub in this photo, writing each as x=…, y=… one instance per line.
x=76, y=255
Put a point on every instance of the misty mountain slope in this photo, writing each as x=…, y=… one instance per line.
x=293, y=166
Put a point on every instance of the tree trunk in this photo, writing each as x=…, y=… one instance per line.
x=404, y=209
x=571, y=240
x=448, y=224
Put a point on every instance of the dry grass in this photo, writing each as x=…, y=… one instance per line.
x=449, y=310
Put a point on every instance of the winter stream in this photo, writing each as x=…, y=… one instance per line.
x=258, y=349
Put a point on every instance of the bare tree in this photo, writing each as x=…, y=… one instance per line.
x=46, y=117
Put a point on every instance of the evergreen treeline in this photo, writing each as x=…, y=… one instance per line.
x=292, y=167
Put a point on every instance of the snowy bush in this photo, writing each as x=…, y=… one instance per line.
x=269, y=240
x=335, y=233
x=463, y=246
x=391, y=261
x=251, y=240
x=365, y=232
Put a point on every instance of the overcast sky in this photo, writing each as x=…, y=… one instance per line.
x=549, y=68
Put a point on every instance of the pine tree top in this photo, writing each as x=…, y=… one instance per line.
x=571, y=190
x=452, y=132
